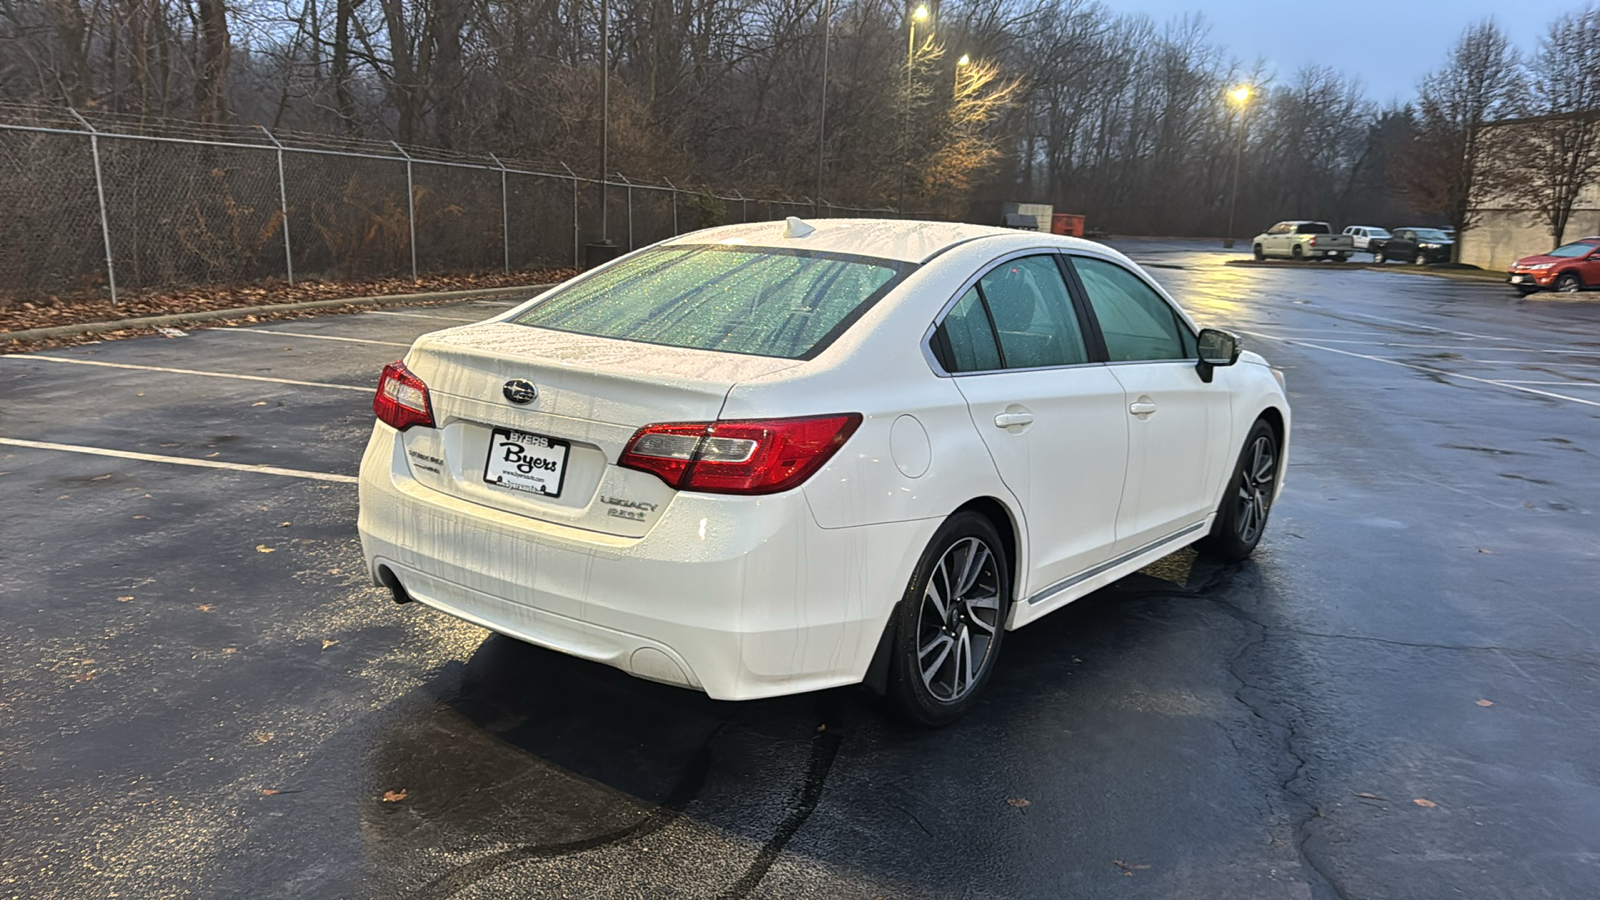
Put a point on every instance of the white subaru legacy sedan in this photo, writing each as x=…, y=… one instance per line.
x=779, y=457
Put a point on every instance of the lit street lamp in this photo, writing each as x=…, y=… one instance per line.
x=920, y=14
x=961, y=63
x=1240, y=97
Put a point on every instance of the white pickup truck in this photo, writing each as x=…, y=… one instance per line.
x=1303, y=240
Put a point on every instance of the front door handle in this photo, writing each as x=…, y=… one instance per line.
x=1009, y=419
x=1141, y=408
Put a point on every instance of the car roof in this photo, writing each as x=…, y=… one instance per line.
x=896, y=239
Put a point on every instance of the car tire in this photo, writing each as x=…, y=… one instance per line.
x=1339, y=257
x=1296, y=252
x=1420, y=260
x=1259, y=253
x=1247, y=501
x=1377, y=257
x=928, y=683
x=1568, y=283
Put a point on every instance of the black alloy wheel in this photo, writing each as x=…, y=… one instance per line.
x=949, y=625
x=1242, y=515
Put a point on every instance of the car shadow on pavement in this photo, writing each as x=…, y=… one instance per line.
x=521, y=758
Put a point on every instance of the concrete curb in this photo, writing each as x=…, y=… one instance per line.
x=53, y=331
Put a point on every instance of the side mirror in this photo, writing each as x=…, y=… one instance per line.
x=1217, y=348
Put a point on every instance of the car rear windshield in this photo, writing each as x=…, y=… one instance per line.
x=1313, y=228
x=1572, y=250
x=759, y=301
x=1432, y=234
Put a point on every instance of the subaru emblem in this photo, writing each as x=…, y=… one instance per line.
x=520, y=390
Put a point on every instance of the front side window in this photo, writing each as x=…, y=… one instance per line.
x=1032, y=313
x=757, y=301
x=1138, y=325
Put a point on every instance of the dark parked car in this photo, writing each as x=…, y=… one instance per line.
x=1417, y=245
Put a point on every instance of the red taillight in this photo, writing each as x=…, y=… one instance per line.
x=762, y=456
x=1313, y=240
x=402, y=398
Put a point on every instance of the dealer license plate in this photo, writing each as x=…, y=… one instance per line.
x=526, y=462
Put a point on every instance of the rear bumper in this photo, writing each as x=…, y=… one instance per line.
x=741, y=597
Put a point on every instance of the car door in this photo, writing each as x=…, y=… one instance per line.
x=1276, y=243
x=1179, y=424
x=1589, y=268
x=1052, y=417
x=1403, y=245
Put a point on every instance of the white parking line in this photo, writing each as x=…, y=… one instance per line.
x=422, y=316
x=112, y=365
x=1482, y=347
x=1581, y=384
x=297, y=334
x=179, y=460
x=1421, y=368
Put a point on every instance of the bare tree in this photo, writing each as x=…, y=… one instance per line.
x=1560, y=139
x=1448, y=161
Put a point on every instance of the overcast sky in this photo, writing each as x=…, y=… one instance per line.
x=1389, y=44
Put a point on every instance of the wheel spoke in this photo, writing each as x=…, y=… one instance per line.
x=943, y=644
x=990, y=605
x=977, y=559
x=935, y=596
x=963, y=679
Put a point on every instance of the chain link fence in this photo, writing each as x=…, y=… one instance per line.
x=100, y=206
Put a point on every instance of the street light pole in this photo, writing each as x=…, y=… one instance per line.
x=822, y=109
x=917, y=15
x=605, y=118
x=1240, y=96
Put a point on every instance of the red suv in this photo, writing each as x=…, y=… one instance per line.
x=1568, y=268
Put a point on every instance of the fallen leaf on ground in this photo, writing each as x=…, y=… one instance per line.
x=1366, y=796
x=204, y=607
x=84, y=676
x=260, y=403
x=171, y=332
x=124, y=598
x=394, y=796
x=1485, y=702
x=263, y=548
x=141, y=517
x=1481, y=550
x=283, y=524
x=1128, y=868
x=101, y=477
x=823, y=727
x=327, y=643
x=1425, y=804
x=1019, y=802
x=263, y=736
x=213, y=453
x=269, y=792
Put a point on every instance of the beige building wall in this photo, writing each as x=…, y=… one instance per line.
x=1501, y=235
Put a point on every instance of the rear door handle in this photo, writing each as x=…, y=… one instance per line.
x=1008, y=419
x=1141, y=408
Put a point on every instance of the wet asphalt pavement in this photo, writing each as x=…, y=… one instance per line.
x=1399, y=696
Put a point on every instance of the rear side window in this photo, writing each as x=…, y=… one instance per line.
x=1138, y=325
x=1032, y=313
x=1314, y=228
x=756, y=301
x=966, y=339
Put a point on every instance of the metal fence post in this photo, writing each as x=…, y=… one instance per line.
x=674, y=207
x=574, y=176
x=630, y=209
x=411, y=208
x=283, y=205
x=100, y=191
x=744, y=206
x=505, y=218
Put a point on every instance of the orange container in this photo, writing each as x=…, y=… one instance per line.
x=1067, y=223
